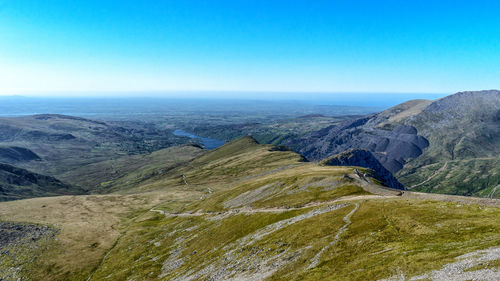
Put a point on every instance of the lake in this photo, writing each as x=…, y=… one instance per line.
x=208, y=143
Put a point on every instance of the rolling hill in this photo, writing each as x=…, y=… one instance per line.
x=247, y=211
x=53, y=144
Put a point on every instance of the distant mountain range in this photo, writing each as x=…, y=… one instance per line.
x=450, y=145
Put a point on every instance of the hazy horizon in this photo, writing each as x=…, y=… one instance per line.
x=375, y=100
x=277, y=46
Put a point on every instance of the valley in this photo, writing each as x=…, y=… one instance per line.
x=372, y=197
x=249, y=140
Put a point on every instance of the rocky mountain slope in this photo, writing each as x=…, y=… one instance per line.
x=450, y=145
x=464, y=152
x=17, y=183
x=364, y=158
x=247, y=211
x=391, y=145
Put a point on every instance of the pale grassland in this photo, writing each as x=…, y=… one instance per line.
x=387, y=237
x=89, y=226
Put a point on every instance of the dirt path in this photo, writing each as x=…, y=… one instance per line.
x=440, y=170
x=490, y=195
x=452, y=198
x=386, y=192
x=248, y=210
x=347, y=220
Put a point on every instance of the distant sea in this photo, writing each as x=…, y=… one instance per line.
x=293, y=104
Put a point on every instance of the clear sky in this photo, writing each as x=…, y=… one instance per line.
x=241, y=45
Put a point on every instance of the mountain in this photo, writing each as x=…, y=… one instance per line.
x=464, y=152
x=248, y=211
x=17, y=183
x=450, y=145
x=391, y=143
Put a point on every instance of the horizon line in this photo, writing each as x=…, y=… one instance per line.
x=168, y=93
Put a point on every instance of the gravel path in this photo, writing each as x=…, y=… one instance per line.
x=347, y=220
x=431, y=176
x=493, y=191
x=248, y=210
x=255, y=264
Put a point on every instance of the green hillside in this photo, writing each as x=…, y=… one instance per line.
x=464, y=146
x=53, y=144
x=247, y=211
x=128, y=171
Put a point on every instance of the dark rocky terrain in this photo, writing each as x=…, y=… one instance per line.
x=364, y=158
x=17, y=233
x=451, y=145
x=391, y=145
x=18, y=240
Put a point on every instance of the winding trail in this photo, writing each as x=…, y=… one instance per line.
x=347, y=220
x=248, y=210
x=440, y=170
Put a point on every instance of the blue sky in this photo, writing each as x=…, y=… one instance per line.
x=282, y=46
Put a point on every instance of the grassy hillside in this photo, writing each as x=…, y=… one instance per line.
x=275, y=132
x=470, y=177
x=353, y=240
x=252, y=212
x=218, y=169
x=464, y=146
x=128, y=171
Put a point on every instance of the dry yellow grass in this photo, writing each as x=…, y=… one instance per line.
x=89, y=226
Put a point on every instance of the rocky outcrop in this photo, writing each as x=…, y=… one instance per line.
x=364, y=158
x=17, y=233
x=392, y=145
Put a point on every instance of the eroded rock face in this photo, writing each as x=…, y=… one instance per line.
x=364, y=158
x=392, y=145
x=463, y=128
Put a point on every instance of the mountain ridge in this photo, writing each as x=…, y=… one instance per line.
x=417, y=134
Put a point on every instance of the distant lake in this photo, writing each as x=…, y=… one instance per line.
x=208, y=143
